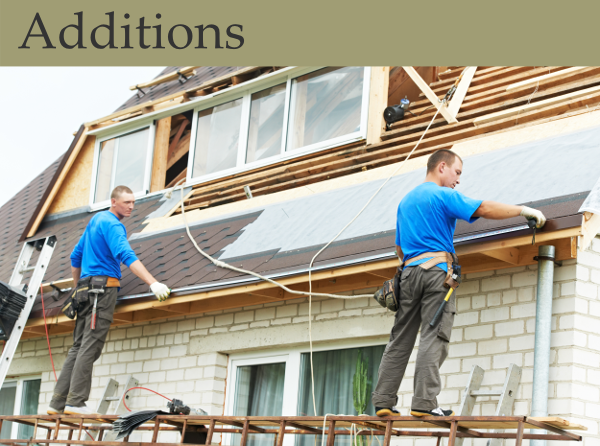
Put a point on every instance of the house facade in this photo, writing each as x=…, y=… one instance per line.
x=312, y=147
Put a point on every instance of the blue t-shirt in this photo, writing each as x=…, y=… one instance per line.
x=103, y=247
x=427, y=219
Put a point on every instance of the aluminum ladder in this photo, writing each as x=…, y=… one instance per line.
x=506, y=396
x=46, y=247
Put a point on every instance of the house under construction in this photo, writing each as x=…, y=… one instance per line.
x=272, y=162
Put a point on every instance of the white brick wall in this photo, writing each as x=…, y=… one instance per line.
x=495, y=326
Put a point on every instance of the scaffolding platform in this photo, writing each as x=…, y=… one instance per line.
x=75, y=426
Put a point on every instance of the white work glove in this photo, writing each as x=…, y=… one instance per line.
x=160, y=290
x=530, y=213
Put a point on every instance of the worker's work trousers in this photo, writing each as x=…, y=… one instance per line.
x=422, y=292
x=75, y=380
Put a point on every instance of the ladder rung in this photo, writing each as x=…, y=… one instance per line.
x=112, y=398
x=24, y=270
x=484, y=393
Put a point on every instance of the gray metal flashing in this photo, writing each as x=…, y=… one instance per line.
x=167, y=203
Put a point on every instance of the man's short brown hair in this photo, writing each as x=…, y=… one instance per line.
x=117, y=191
x=444, y=155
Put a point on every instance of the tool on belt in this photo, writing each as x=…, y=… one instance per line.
x=388, y=296
x=80, y=295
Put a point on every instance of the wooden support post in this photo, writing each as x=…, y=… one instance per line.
x=331, y=434
x=519, y=434
x=245, y=433
x=439, y=440
x=70, y=436
x=388, y=433
x=461, y=91
x=48, y=431
x=453, y=430
x=35, y=426
x=378, y=97
x=161, y=148
x=80, y=429
x=56, y=428
x=281, y=433
x=211, y=431
x=156, y=428
x=183, y=431
x=429, y=94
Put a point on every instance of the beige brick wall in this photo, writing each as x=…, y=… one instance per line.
x=187, y=357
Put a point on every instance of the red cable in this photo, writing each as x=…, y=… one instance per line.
x=47, y=337
x=144, y=388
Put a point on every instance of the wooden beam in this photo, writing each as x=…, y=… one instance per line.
x=186, y=71
x=529, y=107
x=161, y=148
x=56, y=187
x=546, y=78
x=429, y=94
x=378, y=96
x=461, y=91
x=590, y=228
x=508, y=255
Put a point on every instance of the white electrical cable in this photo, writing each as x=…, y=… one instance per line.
x=221, y=264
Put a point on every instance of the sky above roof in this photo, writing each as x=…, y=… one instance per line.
x=43, y=106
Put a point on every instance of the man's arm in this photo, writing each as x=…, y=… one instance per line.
x=499, y=211
x=399, y=253
x=160, y=290
x=76, y=273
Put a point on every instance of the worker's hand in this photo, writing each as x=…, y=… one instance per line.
x=533, y=214
x=160, y=290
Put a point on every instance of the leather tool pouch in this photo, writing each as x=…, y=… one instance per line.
x=98, y=283
x=70, y=306
x=454, y=278
x=388, y=296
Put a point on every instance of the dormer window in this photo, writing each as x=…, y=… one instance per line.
x=122, y=160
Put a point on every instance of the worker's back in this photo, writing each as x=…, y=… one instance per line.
x=427, y=218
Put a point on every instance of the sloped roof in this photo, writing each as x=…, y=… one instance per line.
x=203, y=74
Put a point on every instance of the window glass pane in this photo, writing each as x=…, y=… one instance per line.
x=131, y=160
x=131, y=152
x=7, y=406
x=266, y=123
x=29, y=405
x=105, y=165
x=334, y=373
x=217, y=138
x=259, y=391
x=325, y=104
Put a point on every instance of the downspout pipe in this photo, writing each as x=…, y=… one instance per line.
x=543, y=330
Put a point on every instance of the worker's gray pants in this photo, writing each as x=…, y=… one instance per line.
x=75, y=380
x=422, y=292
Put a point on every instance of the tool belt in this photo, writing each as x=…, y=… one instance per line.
x=388, y=296
x=453, y=277
x=80, y=295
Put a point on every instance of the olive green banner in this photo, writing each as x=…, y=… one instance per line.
x=310, y=32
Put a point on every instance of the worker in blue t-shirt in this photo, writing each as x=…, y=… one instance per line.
x=424, y=240
x=96, y=268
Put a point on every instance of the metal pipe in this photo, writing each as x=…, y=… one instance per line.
x=543, y=330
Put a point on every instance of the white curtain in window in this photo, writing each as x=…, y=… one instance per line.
x=7, y=406
x=29, y=404
x=259, y=391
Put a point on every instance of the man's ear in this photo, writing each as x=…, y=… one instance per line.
x=112, y=202
x=441, y=167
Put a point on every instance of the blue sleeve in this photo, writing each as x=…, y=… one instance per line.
x=77, y=253
x=119, y=246
x=459, y=206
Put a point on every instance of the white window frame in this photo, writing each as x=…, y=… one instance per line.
x=291, y=387
x=18, y=383
x=147, y=168
x=245, y=93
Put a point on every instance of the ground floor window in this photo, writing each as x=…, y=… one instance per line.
x=281, y=385
x=19, y=397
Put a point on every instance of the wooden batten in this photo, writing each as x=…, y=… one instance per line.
x=380, y=77
x=185, y=71
x=161, y=148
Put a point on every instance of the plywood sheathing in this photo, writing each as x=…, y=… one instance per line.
x=75, y=189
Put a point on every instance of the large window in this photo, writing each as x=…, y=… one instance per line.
x=124, y=160
x=262, y=125
x=19, y=398
x=281, y=385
